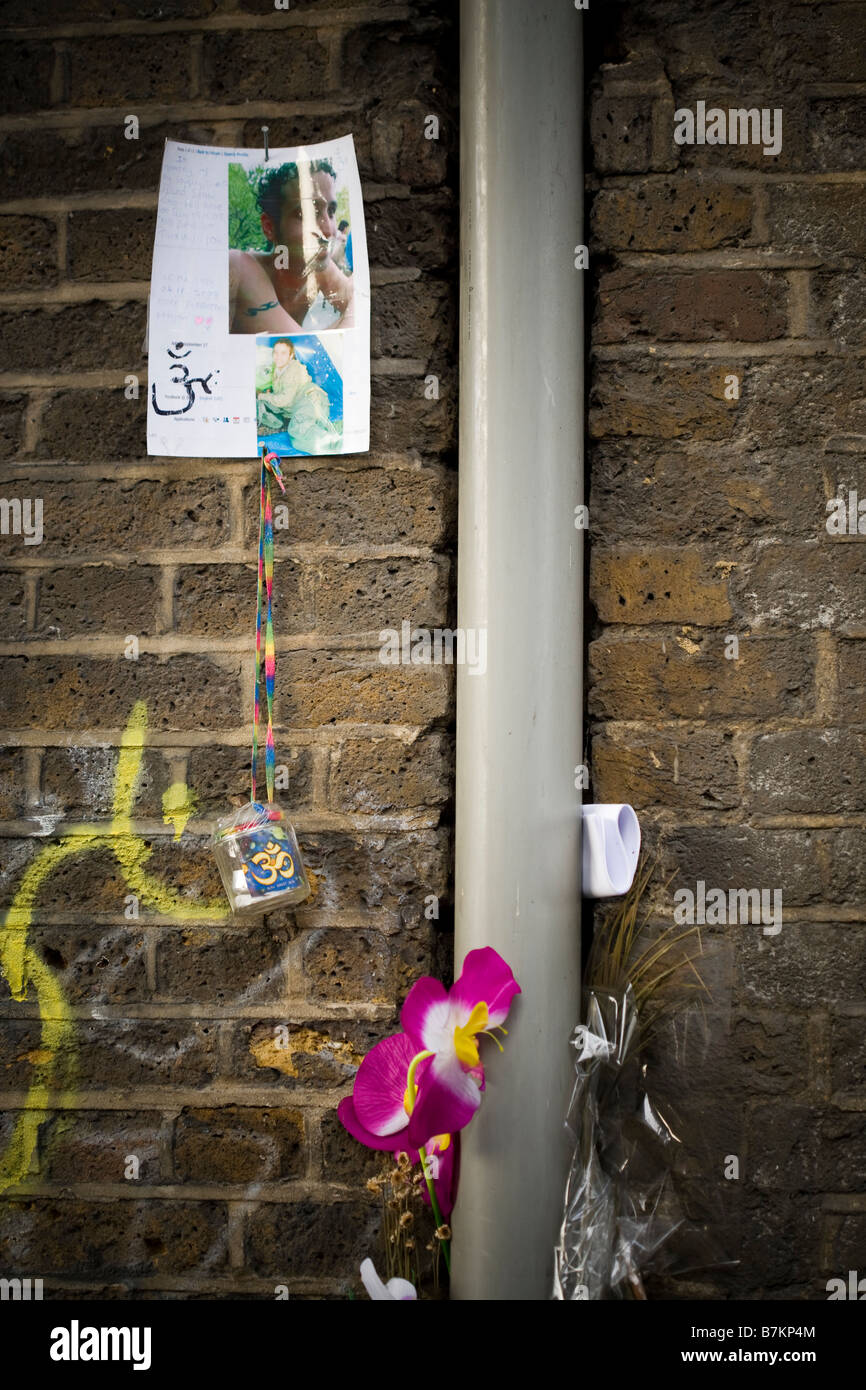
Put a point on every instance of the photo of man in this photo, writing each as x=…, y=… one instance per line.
x=299, y=395
x=289, y=271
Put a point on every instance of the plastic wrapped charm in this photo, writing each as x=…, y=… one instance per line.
x=258, y=858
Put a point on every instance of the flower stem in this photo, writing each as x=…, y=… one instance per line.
x=440, y=1222
x=412, y=1092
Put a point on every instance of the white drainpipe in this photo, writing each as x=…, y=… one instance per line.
x=520, y=576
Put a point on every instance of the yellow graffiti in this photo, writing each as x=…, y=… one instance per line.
x=23, y=967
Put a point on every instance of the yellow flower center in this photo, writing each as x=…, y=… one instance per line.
x=465, y=1039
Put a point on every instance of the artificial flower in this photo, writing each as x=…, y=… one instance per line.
x=377, y=1114
x=443, y=1026
x=395, y=1291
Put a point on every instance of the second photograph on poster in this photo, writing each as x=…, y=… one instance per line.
x=299, y=393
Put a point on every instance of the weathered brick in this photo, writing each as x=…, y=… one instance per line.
x=745, y=305
x=803, y=771
x=689, y=677
x=217, y=966
x=88, y=879
x=811, y=584
x=94, y=964
x=840, y=306
x=846, y=852
x=414, y=320
x=660, y=586
x=67, y=425
x=372, y=595
x=770, y=1257
x=238, y=1144
x=381, y=775
x=344, y=964
x=769, y=1051
x=53, y=163
x=735, y=856
x=403, y=420
x=83, y=337
x=117, y=71
x=407, y=61
x=122, y=1052
x=11, y=417
x=418, y=231
x=394, y=871
x=20, y=12
x=852, y=672
x=621, y=132
x=848, y=1053
x=88, y=519
x=327, y=687
x=350, y=965
x=371, y=505
x=820, y=43
x=112, y=244
x=807, y=1148
x=780, y=972
x=186, y=692
x=847, y=1244
x=28, y=252
x=28, y=66
x=79, y=783
x=219, y=772
x=96, y=601
x=308, y=1240
x=13, y=597
x=400, y=149
x=671, y=215
x=111, y=1237
x=668, y=492
x=238, y=65
x=665, y=400
x=189, y=871
x=96, y=1145
x=837, y=133
x=685, y=770
x=807, y=403
x=12, y=783
x=346, y=1161
x=219, y=600
x=322, y=1054
x=822, y=218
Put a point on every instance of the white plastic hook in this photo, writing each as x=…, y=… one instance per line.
x=611, y=845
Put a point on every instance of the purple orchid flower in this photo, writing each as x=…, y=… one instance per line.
x=444, y=1026
x=376, y=1114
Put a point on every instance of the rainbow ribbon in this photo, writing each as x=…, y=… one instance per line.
x=270, y=468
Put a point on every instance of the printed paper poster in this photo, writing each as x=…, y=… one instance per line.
x=259, y=323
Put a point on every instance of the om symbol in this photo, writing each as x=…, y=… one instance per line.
x=272, y=863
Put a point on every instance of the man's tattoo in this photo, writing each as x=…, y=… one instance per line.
x=271, y=304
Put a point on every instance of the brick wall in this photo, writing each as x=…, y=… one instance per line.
x=157, y=1036
x=708, y=522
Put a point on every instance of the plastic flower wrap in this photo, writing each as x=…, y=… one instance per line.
x=622, y=1208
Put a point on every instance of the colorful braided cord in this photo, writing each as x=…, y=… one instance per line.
x=270, y=468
